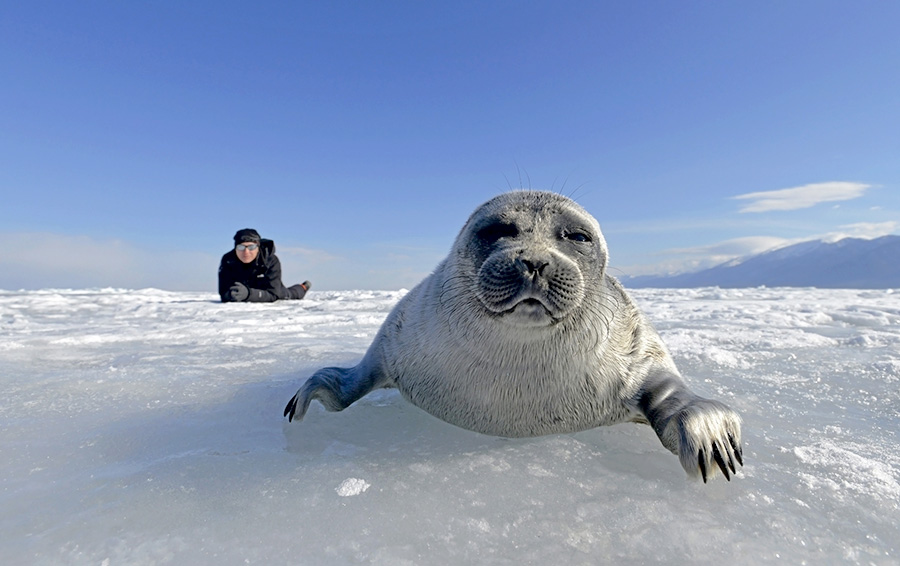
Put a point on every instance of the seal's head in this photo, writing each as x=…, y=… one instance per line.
x=531, y=253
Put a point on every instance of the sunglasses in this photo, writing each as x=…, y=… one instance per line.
x=242, y=247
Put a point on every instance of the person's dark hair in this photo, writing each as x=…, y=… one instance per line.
x=246, y=235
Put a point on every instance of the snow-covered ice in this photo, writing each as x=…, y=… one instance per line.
x=145, y=427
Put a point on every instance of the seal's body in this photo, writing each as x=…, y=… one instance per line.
x=520, y=332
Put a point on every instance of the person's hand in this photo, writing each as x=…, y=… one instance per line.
x=239, y=292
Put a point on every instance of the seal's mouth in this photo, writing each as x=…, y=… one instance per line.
x=529, y=304
x=529, y=312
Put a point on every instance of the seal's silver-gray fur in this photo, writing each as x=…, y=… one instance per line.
x=520, y=332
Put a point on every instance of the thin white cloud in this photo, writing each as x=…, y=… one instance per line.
x=305, y=255
x=806, y=196
x=864, y=230
x=734, y=247
x=682, y=260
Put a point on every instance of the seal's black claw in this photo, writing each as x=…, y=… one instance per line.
x=703, y=465
x=289, y=409
x=732, y=456
x=717, y=456
x=738, y=451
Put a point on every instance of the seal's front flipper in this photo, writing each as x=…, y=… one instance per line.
x=335, y=388
x=331, y=386
x=703, y=433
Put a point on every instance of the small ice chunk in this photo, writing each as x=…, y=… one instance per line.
x=352, y=486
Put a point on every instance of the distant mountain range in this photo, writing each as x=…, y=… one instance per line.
x=851, y=263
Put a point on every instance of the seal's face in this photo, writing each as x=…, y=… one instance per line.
x=533, y=253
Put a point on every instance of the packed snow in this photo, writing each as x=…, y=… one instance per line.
x=145, y=427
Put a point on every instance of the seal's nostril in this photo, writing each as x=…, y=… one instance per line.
x=533, y=266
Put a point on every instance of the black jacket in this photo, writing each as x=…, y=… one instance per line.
x=262, y=277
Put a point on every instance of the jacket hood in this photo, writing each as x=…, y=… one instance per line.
x=266, y=250
x=266, y=247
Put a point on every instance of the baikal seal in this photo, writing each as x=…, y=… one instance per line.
x=521, y=332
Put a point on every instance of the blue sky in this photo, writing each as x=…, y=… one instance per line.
x=137, y=137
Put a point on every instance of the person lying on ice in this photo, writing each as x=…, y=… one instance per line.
x=252, y=272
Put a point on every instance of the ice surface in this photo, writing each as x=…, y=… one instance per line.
x=141, y=427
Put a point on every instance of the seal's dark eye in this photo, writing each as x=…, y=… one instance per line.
x=577, y=236
x=493, y=232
